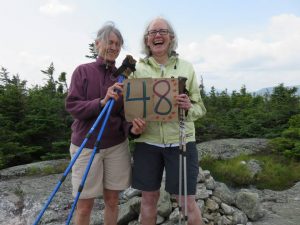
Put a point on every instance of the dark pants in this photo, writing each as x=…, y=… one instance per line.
x=149, y=164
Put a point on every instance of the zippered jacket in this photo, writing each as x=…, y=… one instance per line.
x=168, y=132
x=88, y=86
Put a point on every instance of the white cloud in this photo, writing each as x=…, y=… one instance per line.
x=55, y=7
x=272, y=54
x=284, y=26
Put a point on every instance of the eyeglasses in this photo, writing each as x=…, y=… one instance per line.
x=160, y=31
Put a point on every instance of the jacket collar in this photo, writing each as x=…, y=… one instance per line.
x=151, y=61
x=103, y=63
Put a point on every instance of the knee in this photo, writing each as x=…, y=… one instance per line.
x=112, y=204
x=111, y=201
x=84, y=210
x=150, y=199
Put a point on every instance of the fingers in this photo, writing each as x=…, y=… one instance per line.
x=184, y=101
x=139, y=125
x=118, y=87
x=114, y=91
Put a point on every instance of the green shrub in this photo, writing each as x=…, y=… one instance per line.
x=54, y=155
x=281, y=144
x=294, y=121
x=46, y=170
x=60, y=146
x=291, y=133
x=296, y=151
x=232, y=171
x=33, y=170
x=278, y=173
x=288, y=144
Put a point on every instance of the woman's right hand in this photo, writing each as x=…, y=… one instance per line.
x=112, y=92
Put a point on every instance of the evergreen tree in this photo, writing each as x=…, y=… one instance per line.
x=243, y=115
x=4, y=77
x=50, y=85
x=93, y=52
x=62, y=82
x=282, y=104
x=34, y=123
x=12, y=112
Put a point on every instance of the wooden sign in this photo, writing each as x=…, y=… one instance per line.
x=151, y=99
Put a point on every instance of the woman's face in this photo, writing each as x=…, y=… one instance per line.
x=110, y=49
x=158, y=38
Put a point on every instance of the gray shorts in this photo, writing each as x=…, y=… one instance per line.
x=111, y=169
x=150, y=162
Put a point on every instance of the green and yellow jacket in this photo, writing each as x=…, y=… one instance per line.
x=168, y=132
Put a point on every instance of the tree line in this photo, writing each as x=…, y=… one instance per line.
x=241, y=114
x=35, y=126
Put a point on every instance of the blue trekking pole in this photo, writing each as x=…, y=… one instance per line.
x=70, y=166
x=127, y=67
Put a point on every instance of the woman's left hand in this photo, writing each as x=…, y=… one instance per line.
x=139, y=126
x=184, y=102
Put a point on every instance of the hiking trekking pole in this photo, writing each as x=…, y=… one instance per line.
x=182, y=155
x=127, y=66
x=65, y=174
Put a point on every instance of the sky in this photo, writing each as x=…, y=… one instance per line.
x=230, y=43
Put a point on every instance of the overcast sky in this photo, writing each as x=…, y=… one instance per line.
x=231, y=43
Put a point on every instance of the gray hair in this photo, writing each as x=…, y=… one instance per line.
x=104, y=32
x=174, y=40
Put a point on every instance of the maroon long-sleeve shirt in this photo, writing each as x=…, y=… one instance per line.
x=89, y=84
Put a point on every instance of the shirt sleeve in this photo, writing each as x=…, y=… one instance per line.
x=76, y=102
x=198, y=109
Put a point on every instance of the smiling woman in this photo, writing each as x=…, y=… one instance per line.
x=108, y=44
x=158, y=146
x=162, y=35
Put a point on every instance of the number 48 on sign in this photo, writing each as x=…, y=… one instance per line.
x=151, y=99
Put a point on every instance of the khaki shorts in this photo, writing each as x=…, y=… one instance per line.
x=111, y=169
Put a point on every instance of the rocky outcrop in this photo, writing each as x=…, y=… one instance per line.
x=281, y=207
x=230, y=148
x=22, y=197
x=218, y=205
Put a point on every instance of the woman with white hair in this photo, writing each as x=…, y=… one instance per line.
x=158, y=146
x=92, y=85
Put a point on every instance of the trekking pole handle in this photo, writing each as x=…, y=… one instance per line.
x=181, y=85
x=127, y=67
